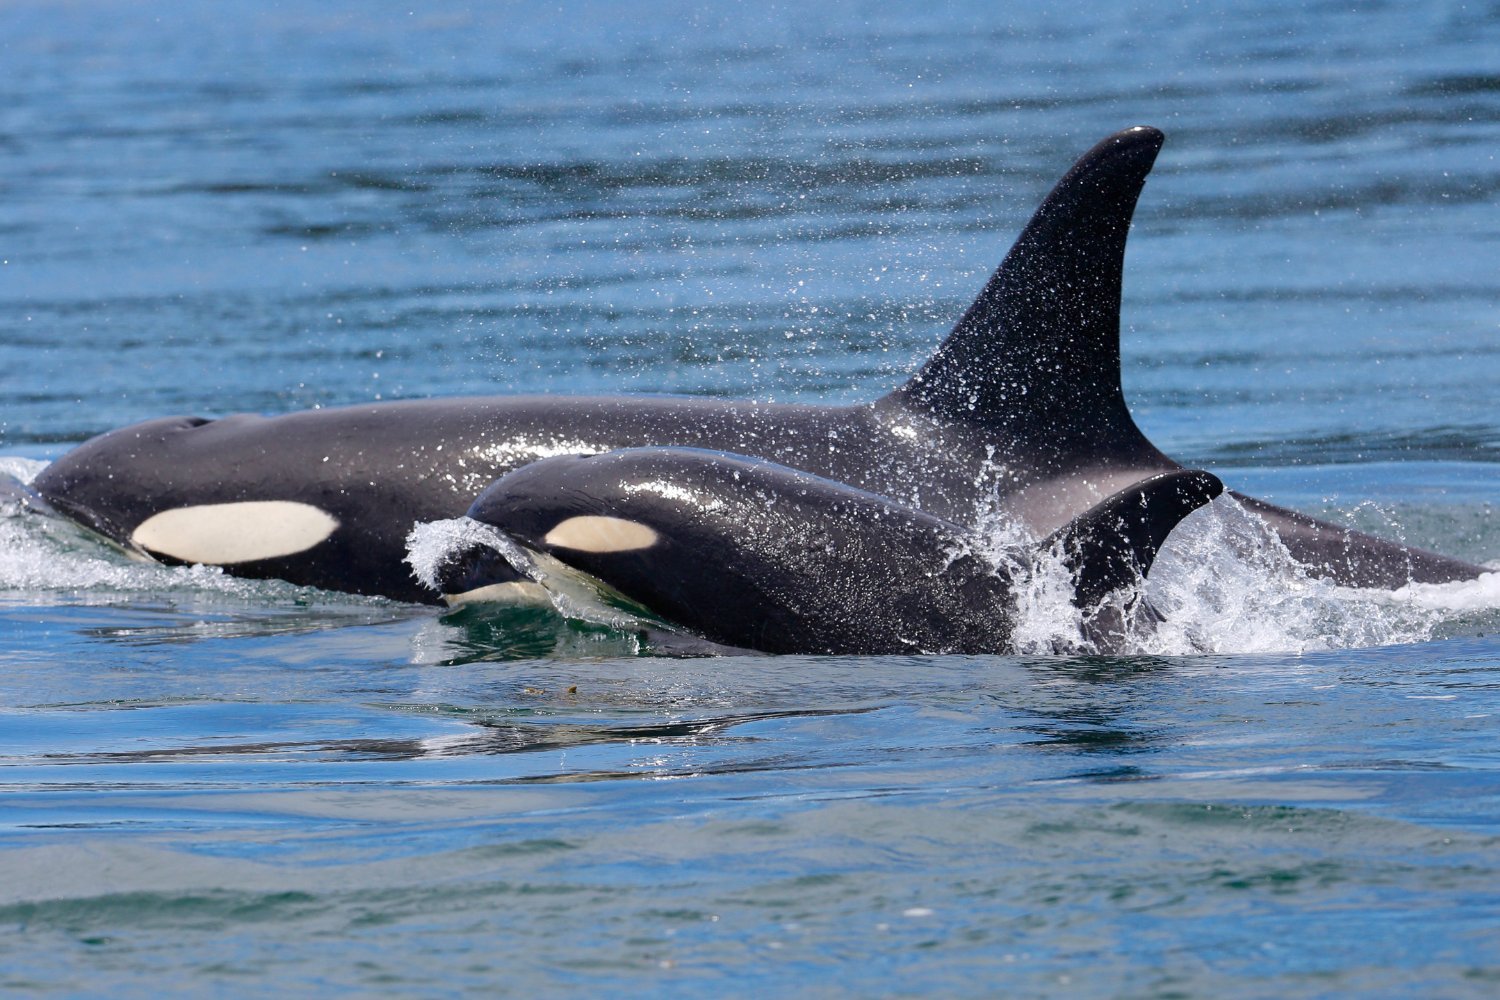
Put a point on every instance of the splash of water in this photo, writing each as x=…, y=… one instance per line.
x=1222, y=583
x=22, y=470
x=431, y=545
x=1046, y=619
x=42, y=556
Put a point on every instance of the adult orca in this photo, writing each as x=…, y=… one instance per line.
x=752, y=554
x=1020, y=407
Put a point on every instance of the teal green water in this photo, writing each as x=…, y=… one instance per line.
x=213, y=786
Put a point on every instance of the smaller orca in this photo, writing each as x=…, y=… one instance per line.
x=752, y=554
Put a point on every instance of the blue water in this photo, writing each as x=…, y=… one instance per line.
x=214, y=785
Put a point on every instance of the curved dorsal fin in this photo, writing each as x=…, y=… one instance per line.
x=1113, y=544
x=1039, y=350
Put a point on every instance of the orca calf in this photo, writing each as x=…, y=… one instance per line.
x=751, y=554
x=1020, y=406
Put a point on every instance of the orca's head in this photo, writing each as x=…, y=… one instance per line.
x=737, y=550
x=109, y=483
x=158, y=489
x=562, y=513
x=593, y=515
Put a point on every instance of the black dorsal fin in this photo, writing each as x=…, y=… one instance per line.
x=1114, y=544
x=1039, y=350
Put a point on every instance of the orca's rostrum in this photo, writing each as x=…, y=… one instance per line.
x=1020, y=410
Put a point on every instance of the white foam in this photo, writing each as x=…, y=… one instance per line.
x=1046, y=619
x=24, y=470
x=1482, y=594
x=1227, y=584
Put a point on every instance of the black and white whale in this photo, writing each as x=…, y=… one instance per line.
x=751, y=554
x=1020, y=406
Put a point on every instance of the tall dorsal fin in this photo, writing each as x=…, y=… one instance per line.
x=1039, y=350
x=1113, y=544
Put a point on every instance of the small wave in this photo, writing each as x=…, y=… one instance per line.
x=431, y=544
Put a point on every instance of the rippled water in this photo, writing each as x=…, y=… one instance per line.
x=247, y=787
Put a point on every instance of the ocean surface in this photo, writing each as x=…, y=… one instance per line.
x=217, y=787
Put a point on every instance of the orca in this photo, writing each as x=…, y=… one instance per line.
x=1021, y=407
x=750, y=554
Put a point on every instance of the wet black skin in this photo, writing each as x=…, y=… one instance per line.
x=1021, y=406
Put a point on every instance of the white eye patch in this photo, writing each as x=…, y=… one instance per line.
x=220, y=534
x=592, y=533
